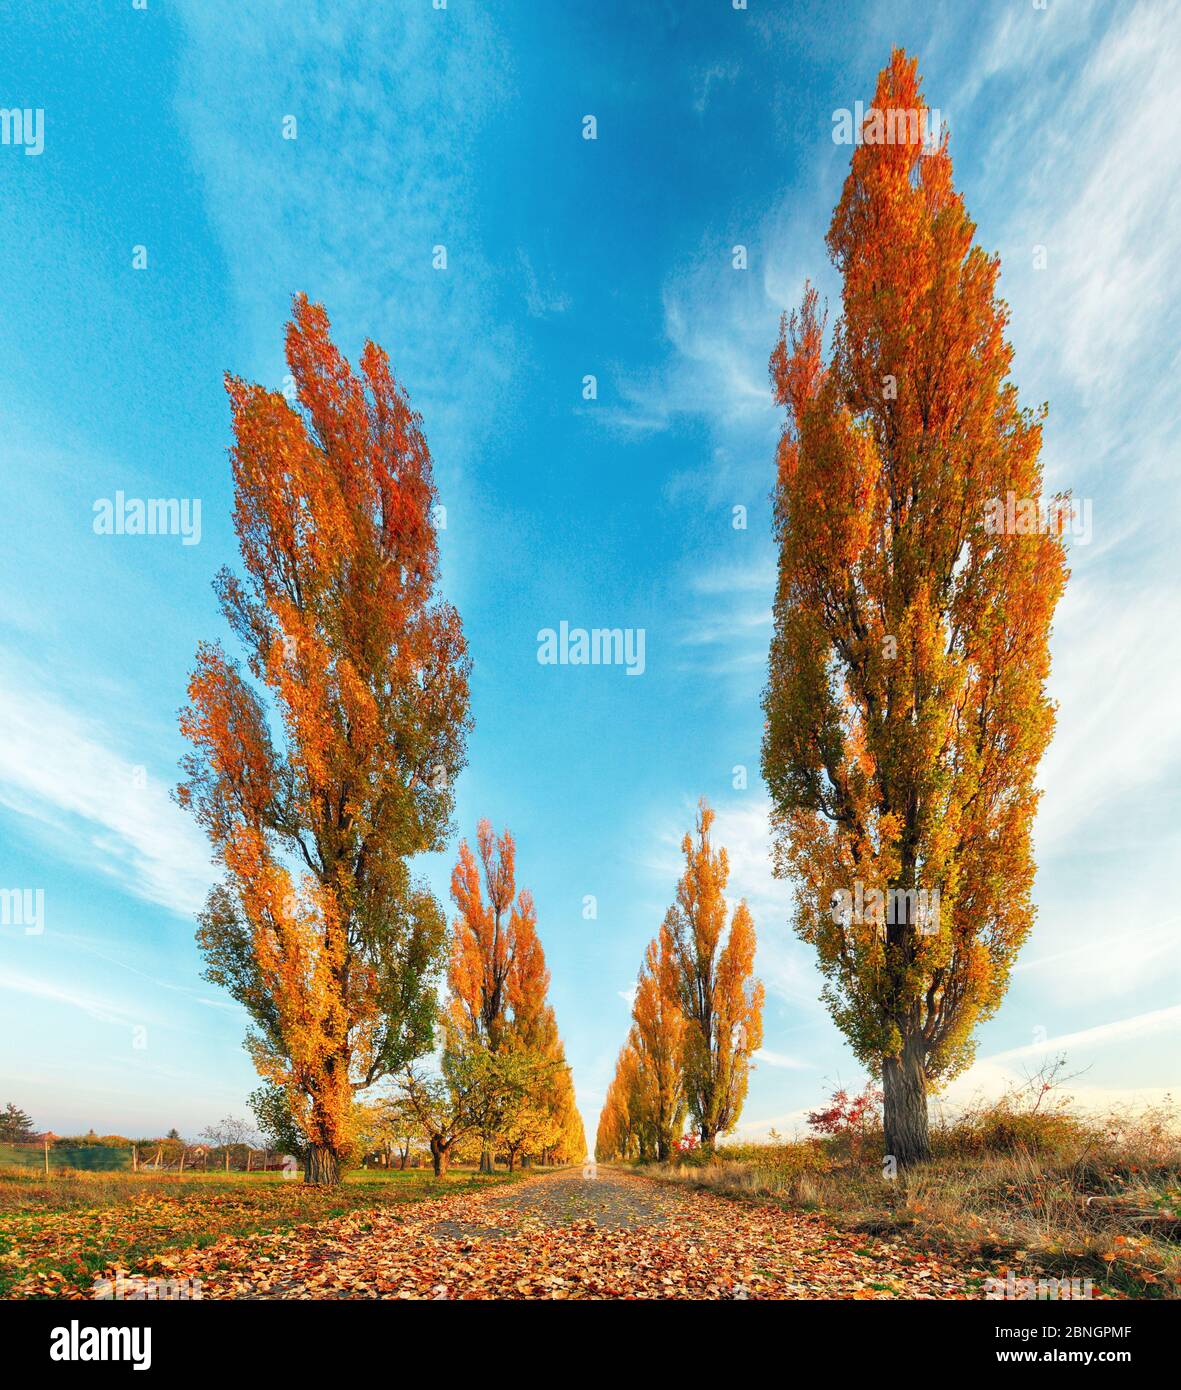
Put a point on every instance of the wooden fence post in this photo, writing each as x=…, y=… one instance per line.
x=46, y=1143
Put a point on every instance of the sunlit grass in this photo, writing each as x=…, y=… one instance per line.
x=71, y=1226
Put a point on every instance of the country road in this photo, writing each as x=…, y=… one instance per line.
x=565, y=1235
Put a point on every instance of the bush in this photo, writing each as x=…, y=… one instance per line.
x=1003, y=1129
x=784, y=1159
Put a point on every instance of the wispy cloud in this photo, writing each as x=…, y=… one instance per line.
x=780, y=1059
x=390, y=106
x=1101, y=1035
x=97, y=1007
x=65, y=775
x=542, y=297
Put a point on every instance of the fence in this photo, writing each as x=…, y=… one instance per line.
x=94, y=1158
x=163, y=1158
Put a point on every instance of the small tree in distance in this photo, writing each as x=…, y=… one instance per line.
x=16, y=1127
x=713, y=979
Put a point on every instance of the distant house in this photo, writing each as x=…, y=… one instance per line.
x=47, y=1138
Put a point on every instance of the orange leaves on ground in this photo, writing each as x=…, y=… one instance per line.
x=560, y=1237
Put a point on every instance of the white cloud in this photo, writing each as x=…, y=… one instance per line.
x=100, y=1009
x=1116, y=677
x=1101, y=1035
x=62, y=772
x=390, y=104
x=780, y=1059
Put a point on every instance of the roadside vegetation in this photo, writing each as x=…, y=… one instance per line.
x=1032, y=1185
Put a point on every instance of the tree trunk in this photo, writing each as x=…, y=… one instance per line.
x=485, y=1161
x=440, y=1156
x=321, y=1167
x=904, y=1084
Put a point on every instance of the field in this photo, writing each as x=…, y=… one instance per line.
x=58, y=1236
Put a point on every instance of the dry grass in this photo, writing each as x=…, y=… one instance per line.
x=1050, y=1193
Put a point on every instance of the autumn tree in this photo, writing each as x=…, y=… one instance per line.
x=387, y=1127
x=658, y=1038
x=498, y=984
x=319, y=929
x=618, y=1132
x=712, y=965
x=906, y=707
x=472, y=1094
x=571, y=1146
x=227, y=1135
x=442, y=1105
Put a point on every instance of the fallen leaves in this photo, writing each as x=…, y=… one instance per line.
x=621, y=1236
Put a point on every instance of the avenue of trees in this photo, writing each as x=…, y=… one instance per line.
x=905, y=717
x=906, y=706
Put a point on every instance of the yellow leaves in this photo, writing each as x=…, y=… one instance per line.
x=559, y=1237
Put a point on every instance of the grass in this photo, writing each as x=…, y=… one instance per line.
x=1043, y=1194
x=58, y=1235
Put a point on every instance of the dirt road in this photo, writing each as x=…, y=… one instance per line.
x=566, y=1235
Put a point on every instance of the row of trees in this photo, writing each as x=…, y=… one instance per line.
x=318, y=927
x=697, y=1018
x=498, y=1084
x=906, y=706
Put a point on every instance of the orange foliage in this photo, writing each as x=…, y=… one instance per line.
x=367, y=671
x=906, y=699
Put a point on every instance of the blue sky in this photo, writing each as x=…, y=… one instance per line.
x=565, y=257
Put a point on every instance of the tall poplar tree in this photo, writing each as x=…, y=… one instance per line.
x=712, y=979
x=318, y=928
x=906, y=701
